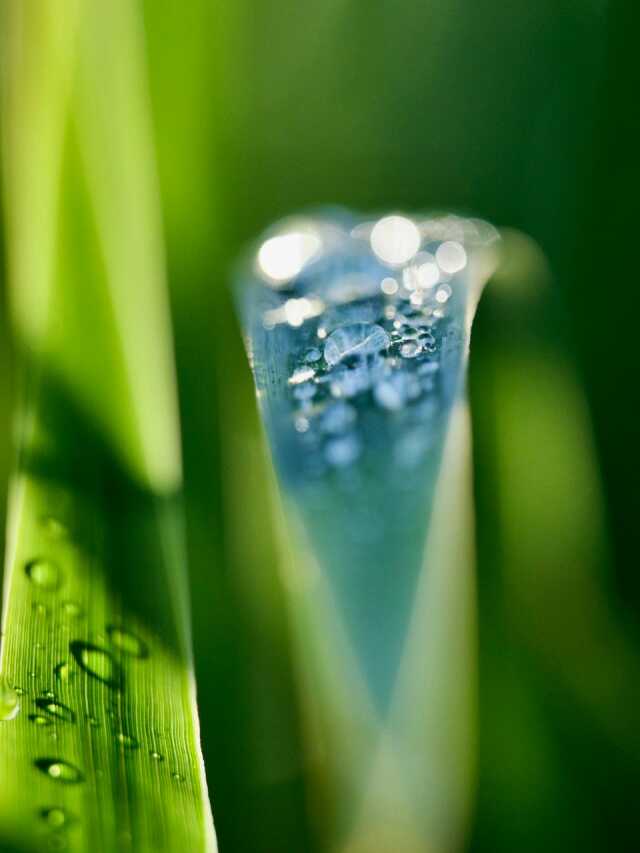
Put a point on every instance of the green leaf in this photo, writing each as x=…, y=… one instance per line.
x=358, y=334
x=99, y=741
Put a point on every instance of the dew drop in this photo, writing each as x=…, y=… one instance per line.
x=61, y=771
x=93, y=722
x=56, y=709
x=40, y=609
x=62, y=671
x=410, y=349
x=177, y=776
x=156, y=755
x=342, y=451
x=98, y=663
x=48, y=694
x=127, y=741
x=40, y=720
x=355, y=339
x=71, y=608
x=55, y=817
x=127, y=642
x=54, y=527
x=312, y=355
x=9, y=701
x=337, y=417
x=43, y=573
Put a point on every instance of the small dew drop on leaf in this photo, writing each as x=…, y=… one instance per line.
x=40, y=720
x=71, y=608
x=56, y=709
x=59, y=770
x=55, y=817
x=44, y=573
x=54, y=527
x=127, y=642
x=127, y=741
x=98, y=663
x=9, y=701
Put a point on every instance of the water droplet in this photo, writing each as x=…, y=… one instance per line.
x=61, y=771
x=177, y=776
x=33, y=674
x=305, y=391
x=127, y=741
x=410, y=349
x=20, y=691
x=301, y=374
x=355, y=339
x=93, y=721
x=9, y=701
x=43, y=573
x=62, y=671
x=48, y=694
x=156, y=755
x=342, y=451
x=312, y=355
x=337, y=417
x=391, y=393
x=40, y=609
x=40, y=720
x=98, y=663
x=127, y=642
x=55, y=817
x=71, y=608
x=56, y=709
x=54, y=527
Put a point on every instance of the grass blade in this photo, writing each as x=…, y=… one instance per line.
x=358, y=334
x=99, y=735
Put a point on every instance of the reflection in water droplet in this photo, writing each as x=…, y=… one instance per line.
x=355, y=340
x=156, y=755
x=71, y=608
x=127, y=642
x=410, y=349
x=43, y=573
x=56, y=709
x=40, y=720
x=127, y=741
x=62, y=671
x=9, y=701
x=98, y=663
x=55, y=817
x=61, y=771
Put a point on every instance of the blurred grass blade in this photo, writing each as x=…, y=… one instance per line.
x=358, y=334
x=99, y=732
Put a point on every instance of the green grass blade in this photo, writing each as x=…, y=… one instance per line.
x=99, y=732
x=358, y=336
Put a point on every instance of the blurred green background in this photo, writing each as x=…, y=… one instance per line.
x=523, y=114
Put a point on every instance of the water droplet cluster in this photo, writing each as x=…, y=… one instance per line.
x=103, y=661
x=382, y=330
